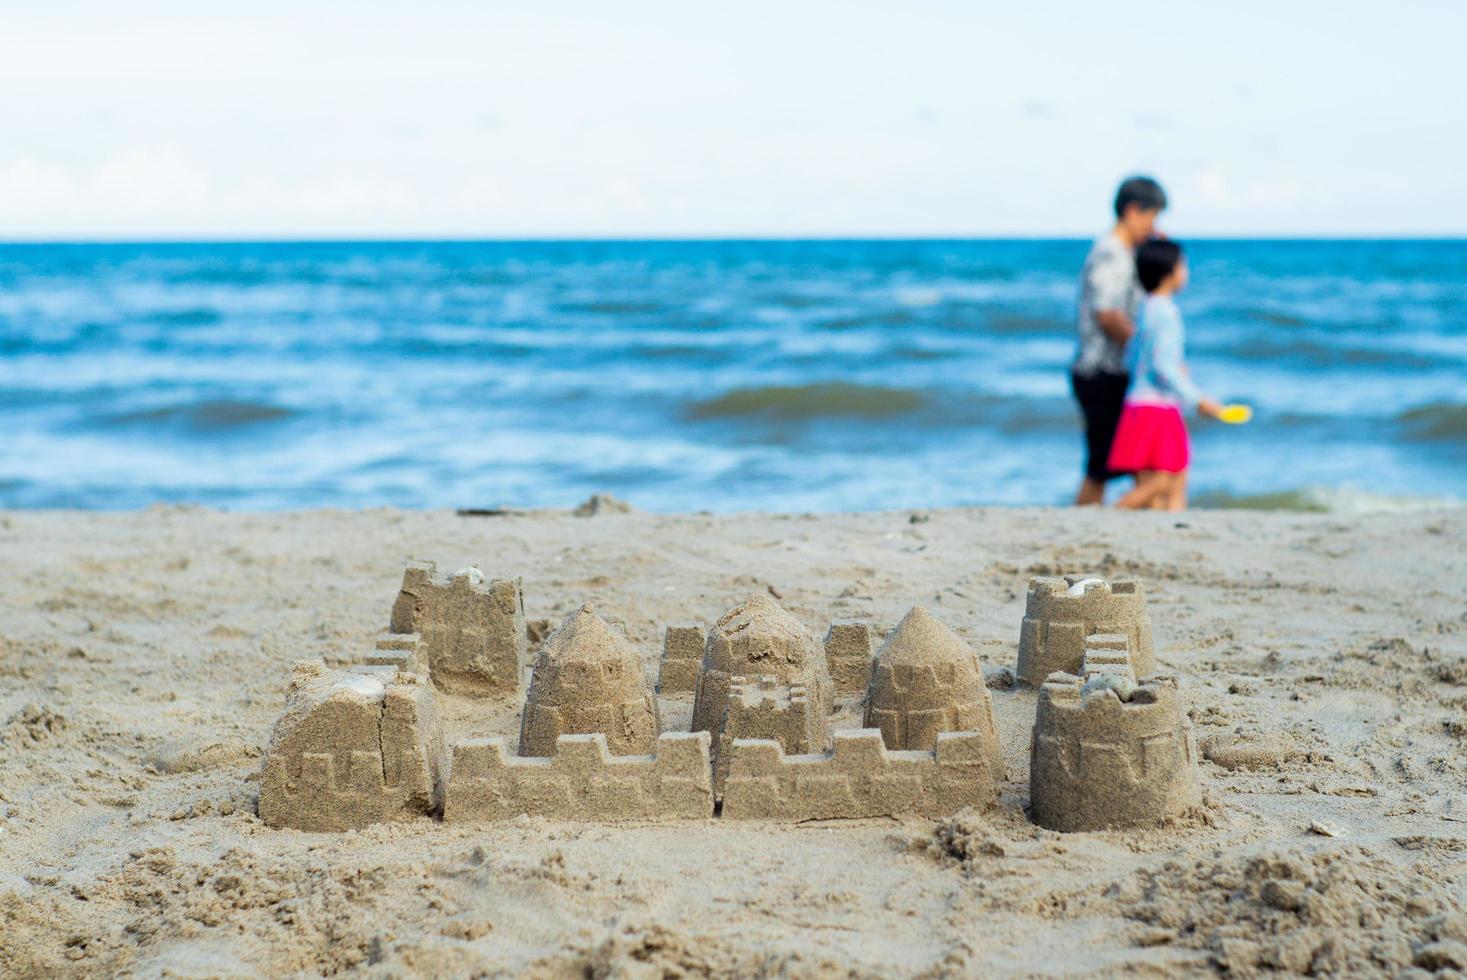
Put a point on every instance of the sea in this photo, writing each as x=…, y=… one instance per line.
x=699, y=375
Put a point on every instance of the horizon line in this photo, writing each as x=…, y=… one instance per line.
x=326, y=239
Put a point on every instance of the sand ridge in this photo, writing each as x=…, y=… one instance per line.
x=146, y=656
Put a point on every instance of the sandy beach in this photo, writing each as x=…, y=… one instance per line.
x=144, y=657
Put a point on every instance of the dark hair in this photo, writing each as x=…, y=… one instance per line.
x=1143, y=192
x=1155, y=260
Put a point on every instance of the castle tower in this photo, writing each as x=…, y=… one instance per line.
x=848, y=652
x=1060, y=614
x=589, y=679
x=758, y=638
x=1098, y=761
x=927, y=680
x=472, y=631
x=352, y=747
x=762, y=708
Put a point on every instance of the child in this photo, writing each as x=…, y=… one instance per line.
x=1151, y=440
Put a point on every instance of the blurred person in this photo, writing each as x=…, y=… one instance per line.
x=1151, y=438
x=1109, y=299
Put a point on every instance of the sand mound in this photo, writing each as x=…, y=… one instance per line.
x=1335, y=912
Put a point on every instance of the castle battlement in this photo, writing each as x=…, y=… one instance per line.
x=1061, y=614
x=472, y=629
x=581, y=781
x=353, y=747
x=1099, y=761
x=682, y=655
x=849, y=650
x=859, y=777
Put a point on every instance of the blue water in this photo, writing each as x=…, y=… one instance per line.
x=693, y=375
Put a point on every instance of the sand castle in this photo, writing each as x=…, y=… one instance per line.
x=682, y=655
x=926, y=681
x=1109, y=751
x=858, y=778
x=353, y=747
x=472, y=630
x=848, y=651
x=588, y=679
x=1059, y=615
x=1111, y=745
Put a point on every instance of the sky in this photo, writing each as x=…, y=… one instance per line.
x=482, y=119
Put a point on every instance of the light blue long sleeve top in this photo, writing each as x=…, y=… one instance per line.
x=1155, y=356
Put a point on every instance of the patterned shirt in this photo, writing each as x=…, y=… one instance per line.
x=1107, y=282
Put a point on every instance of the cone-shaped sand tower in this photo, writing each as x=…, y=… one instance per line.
x=758, y=638
x=589, y=679
x=928, y=680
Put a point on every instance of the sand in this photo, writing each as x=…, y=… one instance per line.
x=146, y=655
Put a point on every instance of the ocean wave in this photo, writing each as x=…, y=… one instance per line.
x=199, y=317
x=1324, y=500
x=795, y=402
x=1333, y=352
x=214, y=416
x=1446, y=421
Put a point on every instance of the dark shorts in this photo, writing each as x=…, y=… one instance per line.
x=1101, y=396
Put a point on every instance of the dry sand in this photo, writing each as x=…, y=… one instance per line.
x=146, y=655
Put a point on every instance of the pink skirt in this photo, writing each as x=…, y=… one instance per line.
x=1150, y=437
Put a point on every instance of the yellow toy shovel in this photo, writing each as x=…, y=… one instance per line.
x=1235, y=414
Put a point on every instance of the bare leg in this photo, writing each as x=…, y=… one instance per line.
x=1091, y=492
x=1177, y=494
x=1149, y=483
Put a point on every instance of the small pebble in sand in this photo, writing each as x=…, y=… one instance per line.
x=1324, y=829
x=471, y=573
x=1123, y=686
x=1079, y=587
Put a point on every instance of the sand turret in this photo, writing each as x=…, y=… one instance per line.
x=353, y=747
x=928, y=680
x=589, y=679
x=1060, y=614
x=849, y=645
x=472, y=629
x=1108, y=754
x=757, y=638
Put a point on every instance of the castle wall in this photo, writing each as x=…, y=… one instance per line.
x=473, y=632
x=859, y=777
x=581, y=781
x=1057, y=623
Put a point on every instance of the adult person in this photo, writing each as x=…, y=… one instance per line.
x=1109, y=299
